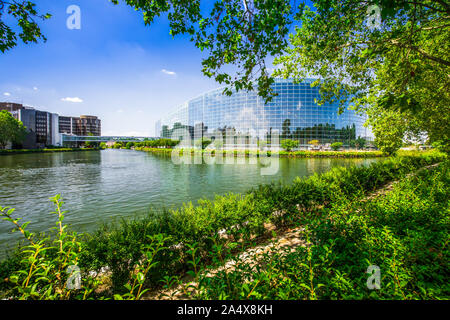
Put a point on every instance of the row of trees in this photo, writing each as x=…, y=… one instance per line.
x=165, y=143
x=158, y=143
x=286, y=144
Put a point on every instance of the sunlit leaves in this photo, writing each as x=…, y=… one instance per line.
x=24, y=12
x=11, y=130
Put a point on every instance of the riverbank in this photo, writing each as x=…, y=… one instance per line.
x=164, y=247
x=292, y=154
x=401, y=230
x=24, y=151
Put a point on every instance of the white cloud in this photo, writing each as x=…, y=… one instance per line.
x=74, y=99
x=35, y=88
x=170, y=73
x=7, y=94
x=119, y=111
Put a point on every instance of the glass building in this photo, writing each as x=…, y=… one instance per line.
x=293, y=113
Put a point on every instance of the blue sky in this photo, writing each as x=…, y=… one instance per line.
x=114, y=67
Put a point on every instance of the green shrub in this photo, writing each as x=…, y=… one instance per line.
x=117, y=145
x=47, y=268
x=289, y=144
x=404, y=233
x=442, y=146
x=336, y=146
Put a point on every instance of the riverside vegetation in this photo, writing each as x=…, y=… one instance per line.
x=404, y=232
x=46, y=150
x=165, y=146
x=297, y=154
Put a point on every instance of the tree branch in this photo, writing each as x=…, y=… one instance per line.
x=422, y=52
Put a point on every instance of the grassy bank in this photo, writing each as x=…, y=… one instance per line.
x=293, y=154
x=402, y=233
x=23, y=151
x=160, y=249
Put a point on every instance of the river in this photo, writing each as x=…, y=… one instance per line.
x=103, y=186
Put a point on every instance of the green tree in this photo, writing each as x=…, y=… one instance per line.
x=336, y=41
x=117, y=145
x=409, y=50
x=314, y=142
x=11, y=130
x=289, y=144
x=401, y=65
x=360, y=143
x=91, y=144
x=88, y=144
x=336, y=146
x=129, y=145
x=202, y=143
x=24, y=13
x=389, y=128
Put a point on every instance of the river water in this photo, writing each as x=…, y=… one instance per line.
x=103, y=186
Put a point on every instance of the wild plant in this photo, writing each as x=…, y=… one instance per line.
x=49, y=266
x=139, y=275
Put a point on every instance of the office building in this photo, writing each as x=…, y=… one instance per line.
x=45, y=128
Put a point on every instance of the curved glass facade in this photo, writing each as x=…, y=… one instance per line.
x=293, y=113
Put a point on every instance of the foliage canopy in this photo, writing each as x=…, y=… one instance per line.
x=24, y=12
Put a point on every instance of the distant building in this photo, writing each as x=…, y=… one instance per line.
x=45, y=128
x=10, y=106
x=80, y=126
x=87, y=125
x=66, y=125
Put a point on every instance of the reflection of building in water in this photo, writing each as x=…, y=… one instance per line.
x=294, y=114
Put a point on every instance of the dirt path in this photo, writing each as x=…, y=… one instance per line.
x=289, y=238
